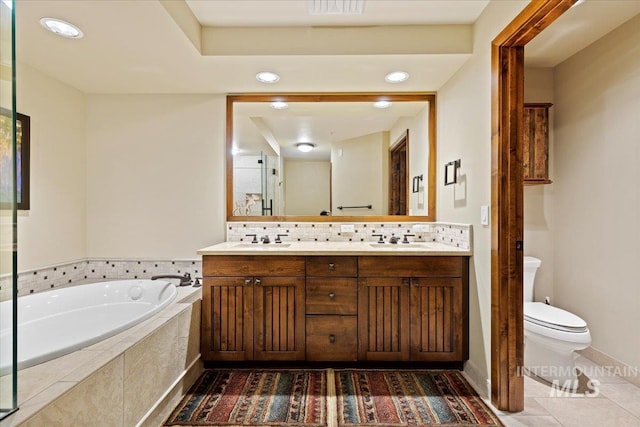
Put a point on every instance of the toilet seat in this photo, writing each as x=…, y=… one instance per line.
x=552, y=317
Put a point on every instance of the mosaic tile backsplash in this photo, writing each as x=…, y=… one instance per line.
x=458, y=235
x=79, y=272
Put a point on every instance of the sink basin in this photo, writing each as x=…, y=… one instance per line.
x=398, y=246
x=262, y=245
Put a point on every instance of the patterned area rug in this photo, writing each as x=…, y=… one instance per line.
x=254, y=398
x=416, y=398
x=345, y=397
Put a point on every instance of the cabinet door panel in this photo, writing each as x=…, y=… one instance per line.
x=279, y=318
x=226, y=307
x=436, y=319
x=383, y=313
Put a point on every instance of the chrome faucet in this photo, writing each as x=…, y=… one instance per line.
x=393, y=239
x=265, y=239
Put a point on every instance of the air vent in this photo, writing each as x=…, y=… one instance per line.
x=335, y=7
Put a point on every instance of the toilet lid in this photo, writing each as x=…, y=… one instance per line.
x=553, y=317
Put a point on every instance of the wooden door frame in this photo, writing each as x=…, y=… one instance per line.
x=507, y=103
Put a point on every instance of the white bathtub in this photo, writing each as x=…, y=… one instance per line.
x=58, y=322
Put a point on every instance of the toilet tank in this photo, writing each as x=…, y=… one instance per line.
x=531, y=265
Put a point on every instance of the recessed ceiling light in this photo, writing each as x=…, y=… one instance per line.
x=61, y=28
x=382, y=104
x=305, y=147
x=396, y=77
x=279, y=105
x=267, y=77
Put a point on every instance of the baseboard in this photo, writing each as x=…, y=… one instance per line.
x=629, y=373
x=477, y=379
x=162, y=408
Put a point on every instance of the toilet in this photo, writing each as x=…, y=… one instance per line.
x=551, y=335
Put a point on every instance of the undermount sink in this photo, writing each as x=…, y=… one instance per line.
x=262, y=245
x=398, y=245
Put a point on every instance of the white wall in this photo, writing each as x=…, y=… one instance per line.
x=155, y=175
x=538, y=199
x=418, y=156
x=53, y=231
x=359, y=174
x=307, y=188
x=464, y=132
x=597, y=203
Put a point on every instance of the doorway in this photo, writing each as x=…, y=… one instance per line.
x=507, y=105
x=398, y=176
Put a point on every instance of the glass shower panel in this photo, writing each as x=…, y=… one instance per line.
x=8, y=215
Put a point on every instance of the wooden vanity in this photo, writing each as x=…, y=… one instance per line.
x=364, y=307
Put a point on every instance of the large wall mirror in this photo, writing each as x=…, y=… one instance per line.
x=331, y=157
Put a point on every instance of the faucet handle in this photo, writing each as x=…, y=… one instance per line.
x=380, y=240
x=278, y=238
x=255, y=237
x=405, y=240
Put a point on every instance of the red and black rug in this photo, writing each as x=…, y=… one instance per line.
x=345, y=397
x=254, y=398
x=408, y=398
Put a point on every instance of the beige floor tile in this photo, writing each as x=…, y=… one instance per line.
x=530, y=421
x=625, y=395
x=597, y=372
x=585, y=411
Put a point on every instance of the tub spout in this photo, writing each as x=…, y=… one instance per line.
x=184, y=280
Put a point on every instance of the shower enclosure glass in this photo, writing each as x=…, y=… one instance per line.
x=8, y=215
x=255, y=185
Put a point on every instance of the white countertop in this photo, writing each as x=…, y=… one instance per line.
x=334, y=248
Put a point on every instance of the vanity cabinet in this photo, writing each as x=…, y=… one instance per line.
x=413, y=308
x=535, y=144
x=335, y=308
x=253, y=308
x=332, y=308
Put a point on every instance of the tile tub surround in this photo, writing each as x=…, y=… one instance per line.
x=458, y=235
x=133, y=378
x=85, y=271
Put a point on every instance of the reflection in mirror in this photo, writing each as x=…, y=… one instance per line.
x=311, y=157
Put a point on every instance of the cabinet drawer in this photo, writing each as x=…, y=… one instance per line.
x=253, y=265
x=410, y=266
x=332, y=338
x=345, y=266
x=335, y=295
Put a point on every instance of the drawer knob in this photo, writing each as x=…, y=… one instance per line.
x=247, y=282
x=406, y=282
x=332, y=266
x=332, y=296
x=332, y=339
x=258, y=282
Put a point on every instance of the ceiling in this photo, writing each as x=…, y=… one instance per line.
x=169, y=46
x=217, y=46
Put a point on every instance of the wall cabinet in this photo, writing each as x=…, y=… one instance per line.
x=340, y=308
x=535, y=144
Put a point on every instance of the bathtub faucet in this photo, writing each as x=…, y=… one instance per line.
x=184, y=280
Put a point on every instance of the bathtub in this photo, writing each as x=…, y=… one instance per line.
x=58, y=322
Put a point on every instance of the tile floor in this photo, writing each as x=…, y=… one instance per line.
x=615, y=403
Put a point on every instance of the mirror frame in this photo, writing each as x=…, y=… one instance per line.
x=336, y=97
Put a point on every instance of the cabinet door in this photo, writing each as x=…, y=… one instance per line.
x=383, y=318
x=437, y=320
x=227, y=331
x=279, y=318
